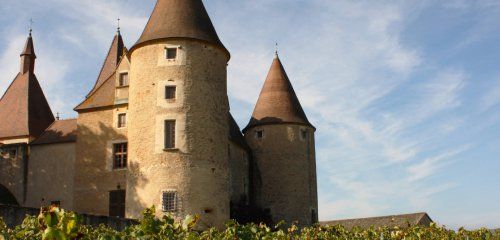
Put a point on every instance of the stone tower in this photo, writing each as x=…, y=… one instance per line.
x=178, y=116
x=282, y=140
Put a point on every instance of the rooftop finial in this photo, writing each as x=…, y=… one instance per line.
x=276, y=50
x=118, y=20
x=57, y=116
x=31, y=25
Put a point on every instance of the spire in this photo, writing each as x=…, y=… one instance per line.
x=24, y=110
x=180, y=19
x=278, y=102
x=115, y=53
x=28, y=56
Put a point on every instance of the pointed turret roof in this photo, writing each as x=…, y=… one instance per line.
x=115, y=53
x=277, y=102
x=24, y=110
x=29, y=48
x=180, y=19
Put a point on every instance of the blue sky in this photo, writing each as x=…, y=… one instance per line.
x=405, y=94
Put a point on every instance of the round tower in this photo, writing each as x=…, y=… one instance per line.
x=178, y=111
x=282, y=141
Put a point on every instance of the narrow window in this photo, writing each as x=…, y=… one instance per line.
x=12, y=153
x=303, y=134
x=120, y=155
x=259, y=134
x=171, y=53
x=117, y=203
x=169, y=134
x=122, y=120
x=123, y=79
x=169, y=201
x=170, y=92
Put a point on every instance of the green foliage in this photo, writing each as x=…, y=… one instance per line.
x=56, y=224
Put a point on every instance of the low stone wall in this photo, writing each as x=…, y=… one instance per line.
x=14, y=216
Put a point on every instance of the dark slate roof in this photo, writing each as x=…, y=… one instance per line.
x=277, y=102
x=180, y=19
x=115, y=53
x=404, y=220
x=235, y=134
x=61, y=131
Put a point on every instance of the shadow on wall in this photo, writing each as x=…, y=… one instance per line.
x=95, y=173
x=6, y=197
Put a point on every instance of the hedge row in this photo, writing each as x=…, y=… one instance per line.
x=56, y=224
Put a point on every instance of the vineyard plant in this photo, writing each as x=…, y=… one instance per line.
x=56, y=224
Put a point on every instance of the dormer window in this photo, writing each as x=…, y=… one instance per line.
x=123, y=81
x=171, y=53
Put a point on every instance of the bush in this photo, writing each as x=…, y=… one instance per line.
x=56, y=224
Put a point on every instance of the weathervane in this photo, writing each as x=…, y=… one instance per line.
x=276, y=49
x=31, y=25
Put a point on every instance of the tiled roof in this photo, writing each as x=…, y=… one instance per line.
x=404, y=220
x=180, y=19
x=61, y=131
x=277, y=102
x=103, y=96
x=115, y=53
x=24, y=110
x=235, y=134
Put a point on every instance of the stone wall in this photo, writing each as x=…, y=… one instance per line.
x=14, y=171
x=239, y=175
x=285, y=172
x=51, y=175
x=94, y=173
x=197, y=169
x=14, y=216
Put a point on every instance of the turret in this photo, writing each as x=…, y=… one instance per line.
x=178, y=112
x=282, y=141
x=28, y=56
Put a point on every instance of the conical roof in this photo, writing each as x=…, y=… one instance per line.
x=29, y=48
x=24, y=110
x=180, y=19
x=115, y=53
x=278, y=103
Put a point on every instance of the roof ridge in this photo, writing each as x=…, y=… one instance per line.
x=385, y=216
x=94, y=92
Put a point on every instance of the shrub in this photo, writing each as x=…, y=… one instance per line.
x=56, y=224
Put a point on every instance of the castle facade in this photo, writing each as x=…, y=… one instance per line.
x=156, y=130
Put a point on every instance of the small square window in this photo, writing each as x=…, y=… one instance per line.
x=122, y=120
x=123, y=80
x=120, y=156
x=259, y=134
x=171, y=53
x=169, y=201
x=170, y=92
x=303, y=134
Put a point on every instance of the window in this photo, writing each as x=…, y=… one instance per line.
x=303, y=134
x=12, y=153
x=122, y=120
x=170, y=134
x=259, y=134
x=117, y=203
x=120, y=156
x=170, y=92
x=123, y=81
x=171, y=53
x=169, y=201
